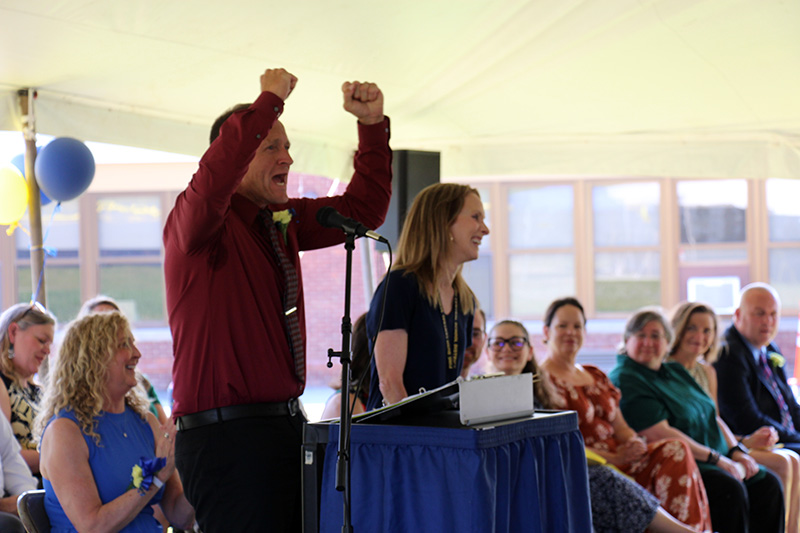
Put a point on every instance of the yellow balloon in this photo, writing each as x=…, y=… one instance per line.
x=13, y=195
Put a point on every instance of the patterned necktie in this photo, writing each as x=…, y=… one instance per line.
x=289, y=297
x=786, y=417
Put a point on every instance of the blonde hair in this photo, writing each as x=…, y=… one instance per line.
x=77, y=381
x=25, y=316
x=680, y=323
x=424, y=240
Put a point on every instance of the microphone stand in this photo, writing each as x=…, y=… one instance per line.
x=343, y=456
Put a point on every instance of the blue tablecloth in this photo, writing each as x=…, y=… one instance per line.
x=528, y=476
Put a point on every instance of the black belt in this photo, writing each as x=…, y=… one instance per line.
x=235, y=412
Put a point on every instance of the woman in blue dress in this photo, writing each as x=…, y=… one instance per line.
x=105, y=459
x=429, y=307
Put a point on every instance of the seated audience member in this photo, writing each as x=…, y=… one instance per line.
x=429, y=306
x=618, y=504
x=99, y=304
x=15, y=478
x=473, y=352
x=26, y=334
x=661, y=400
x=358, y=368
x=105, y=304
x=752, y=388
x=105, y=459
x=695, y=347
x=664, y=467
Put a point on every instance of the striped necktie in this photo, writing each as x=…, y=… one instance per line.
x=291, y=286
x=786, y=417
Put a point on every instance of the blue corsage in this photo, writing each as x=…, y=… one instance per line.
x=143, y=473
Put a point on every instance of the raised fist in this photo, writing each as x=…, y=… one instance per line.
x=364, y=100
x=279, y=82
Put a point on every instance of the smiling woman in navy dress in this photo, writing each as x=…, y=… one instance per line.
x=429, y=307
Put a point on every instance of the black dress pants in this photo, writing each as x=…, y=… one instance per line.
x=754, y=506
x=243, y=475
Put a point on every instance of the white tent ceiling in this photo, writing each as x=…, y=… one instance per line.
x=697, y=88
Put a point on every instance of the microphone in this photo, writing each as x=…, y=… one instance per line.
x=328, y=217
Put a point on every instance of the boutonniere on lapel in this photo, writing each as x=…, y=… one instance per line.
x=282, y=219
x=776, y=360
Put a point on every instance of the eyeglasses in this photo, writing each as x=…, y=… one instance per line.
x=655, y=337
x=515, y=343
x=34, y=305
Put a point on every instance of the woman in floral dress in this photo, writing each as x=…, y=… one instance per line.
x=665, y=468
x=619, y=505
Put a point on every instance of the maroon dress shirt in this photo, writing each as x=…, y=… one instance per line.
x=224, y=285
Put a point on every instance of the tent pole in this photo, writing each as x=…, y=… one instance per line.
x=26, y=97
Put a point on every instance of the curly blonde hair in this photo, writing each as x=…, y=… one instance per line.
x=77, y=381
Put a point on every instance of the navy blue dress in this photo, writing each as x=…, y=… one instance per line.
x=407, y=308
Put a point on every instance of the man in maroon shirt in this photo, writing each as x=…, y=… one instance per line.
x=236, y=381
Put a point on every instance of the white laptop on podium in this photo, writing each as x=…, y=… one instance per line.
x=495, y=398
x=483, y=400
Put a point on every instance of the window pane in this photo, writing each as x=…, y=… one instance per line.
x=129, y=225
x=784, y=275
x=538, y=279
x=626, y=214
x=716, y=255
x=626, y=281
x=712, y=211
x=540, y=217
x=63, y=289
x=60, y=230
x=784, y=209
x=139, y=289
x=478, y=275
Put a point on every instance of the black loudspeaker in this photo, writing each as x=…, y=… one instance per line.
x=412, y=171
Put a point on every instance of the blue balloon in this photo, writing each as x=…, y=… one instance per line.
x=19, y=162
x=64, y=169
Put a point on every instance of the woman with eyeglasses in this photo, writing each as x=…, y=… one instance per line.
x=429, y=307
x=664, y=467
x=26, y=334
x=695, y=348
x=619, y=505
x=661, y=400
